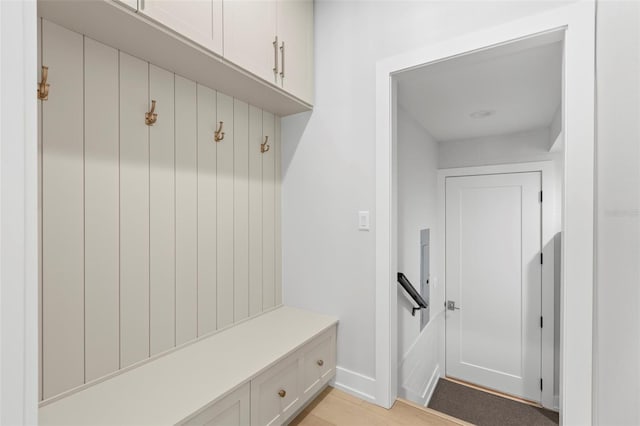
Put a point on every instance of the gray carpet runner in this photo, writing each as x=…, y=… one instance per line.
x=484, y=409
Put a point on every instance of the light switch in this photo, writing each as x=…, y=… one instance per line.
x=363, y=220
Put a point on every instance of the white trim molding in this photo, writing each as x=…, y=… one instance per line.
x=18, y=214
x=354, y=383
x=577, y=21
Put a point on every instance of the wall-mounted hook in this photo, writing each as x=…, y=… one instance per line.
x=264, y=147
x=43, y=87
x=151, y=117
x=218, y=134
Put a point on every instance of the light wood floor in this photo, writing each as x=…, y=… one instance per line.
x=336, y=408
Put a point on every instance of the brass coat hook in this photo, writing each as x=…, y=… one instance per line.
x=264, y=147
x=218, y=134
x=151, y=117
x=43, y=87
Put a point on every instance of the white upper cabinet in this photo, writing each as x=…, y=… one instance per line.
x=250, y=36
x=198, y=20
x=258, y=51
x=295, y=35
x=273, y=40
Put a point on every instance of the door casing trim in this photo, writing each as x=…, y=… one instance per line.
x=576, y=330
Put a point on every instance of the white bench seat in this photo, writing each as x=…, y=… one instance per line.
x=178, y=387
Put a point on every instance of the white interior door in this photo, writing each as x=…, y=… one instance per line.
x=493, y=274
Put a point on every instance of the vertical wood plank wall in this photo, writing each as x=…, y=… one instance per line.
x=268, y=214
x=101, y=210
x=162, y=278
x=63, y=214
x=152, y=236
x=225, y=207
x=255, y=211
x=207, y=215
x=186, y=211
x=134, y=211
x=241, y=210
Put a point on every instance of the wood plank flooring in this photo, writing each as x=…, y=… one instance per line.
x=336, y=408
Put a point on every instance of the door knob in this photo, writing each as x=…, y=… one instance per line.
x=320, y=362
x=451, y=305
x=282, y=393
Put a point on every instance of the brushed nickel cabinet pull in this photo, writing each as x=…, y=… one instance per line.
x=320, y=362
x=275, y=56
x=282, y=393
x=282, y=59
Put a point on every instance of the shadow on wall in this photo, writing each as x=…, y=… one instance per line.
x=293, y=128
x=557, y=291
x=419, y=369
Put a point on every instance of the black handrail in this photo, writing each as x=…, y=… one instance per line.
x=408, y=287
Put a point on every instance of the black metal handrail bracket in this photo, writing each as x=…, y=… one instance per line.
x=410, y=289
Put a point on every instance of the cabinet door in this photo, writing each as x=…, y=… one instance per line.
x=249, y=35
x=232, y=410
x=275, y=395
x=319, y=361
x=295, y=33
x=197, y=20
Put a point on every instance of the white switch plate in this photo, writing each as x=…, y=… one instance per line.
x=363, y=220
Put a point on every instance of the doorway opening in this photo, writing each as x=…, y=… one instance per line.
x=572, y=27
x=480, y=163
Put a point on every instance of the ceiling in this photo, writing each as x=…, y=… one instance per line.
x=520, y=83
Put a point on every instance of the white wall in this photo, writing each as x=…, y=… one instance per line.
x=418, y=352
x=329, y=163
x=617, y=357
x=502, y=149
x=555, y=141
x=18, y=215
x=417, y=186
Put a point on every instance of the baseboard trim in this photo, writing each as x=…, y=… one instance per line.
x=356, y=384
x=431, y=386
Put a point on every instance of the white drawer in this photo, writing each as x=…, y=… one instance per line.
x=318, y=362
x=276, y=393
x=232, y=410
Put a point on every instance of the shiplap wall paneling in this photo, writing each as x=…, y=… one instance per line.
x=151, y=235
x=134, y=211
x=255, y=211
x=63, y=212
x=162, y=276
x=241, y=209
x=186, y=211
x=278, y=201
x=225, y=249
x=268, y=213
x=207, y=216
x=101, y=210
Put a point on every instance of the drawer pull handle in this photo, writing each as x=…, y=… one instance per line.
x=282, y=393
x=320, y=362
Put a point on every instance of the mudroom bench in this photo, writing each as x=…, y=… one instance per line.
x=260, y=372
